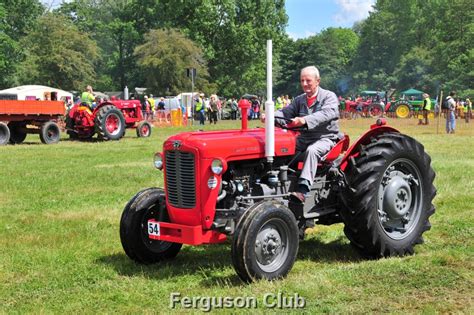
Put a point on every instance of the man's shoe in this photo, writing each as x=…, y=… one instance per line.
x=298, y=197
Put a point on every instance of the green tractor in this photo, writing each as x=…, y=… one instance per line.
x=410, y=104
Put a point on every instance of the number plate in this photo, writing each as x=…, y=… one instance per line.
x=153, y=228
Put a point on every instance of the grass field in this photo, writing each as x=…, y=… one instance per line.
x=60, y=207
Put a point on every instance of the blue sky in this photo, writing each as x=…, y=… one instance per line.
x=309, y=17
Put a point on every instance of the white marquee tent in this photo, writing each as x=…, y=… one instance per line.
x=24, y=92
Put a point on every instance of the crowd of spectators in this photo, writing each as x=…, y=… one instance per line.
x=214, y=108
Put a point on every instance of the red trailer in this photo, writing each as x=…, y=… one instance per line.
x=17, y=118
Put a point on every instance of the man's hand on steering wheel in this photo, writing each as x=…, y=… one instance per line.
x=296, y=122
x=292, y=123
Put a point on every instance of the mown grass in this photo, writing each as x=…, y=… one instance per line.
x=60, y=207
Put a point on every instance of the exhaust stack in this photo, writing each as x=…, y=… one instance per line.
x=269, y=109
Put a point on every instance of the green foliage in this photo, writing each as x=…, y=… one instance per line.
x=412, y=43
x=117, y=28
x=57, y=54
x=332, y=51
x=164, y=58
x=19, y=17
x=232, y=34
x=16, y=18
x=414, y=70
x=8, y=48
x=416, y=43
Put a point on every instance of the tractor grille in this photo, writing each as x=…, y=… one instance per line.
x=180, y=180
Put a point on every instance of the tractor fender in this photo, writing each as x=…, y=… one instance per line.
x=364, y=139
x=99, y=106
x=72, y=111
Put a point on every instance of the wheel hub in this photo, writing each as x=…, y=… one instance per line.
x=268, y=245
x=397, y=197
x=400, y=197
x=112, y=123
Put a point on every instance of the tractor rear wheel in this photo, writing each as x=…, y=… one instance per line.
x=4, y=134
x=50, y=133
x=388, y=199
x=17, y=132
x=110, y=123
x=146, y=204
x=70, y=128
x=143, y=129
x=375, y=110
x=265, y=243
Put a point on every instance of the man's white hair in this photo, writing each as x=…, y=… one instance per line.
x=311, y=69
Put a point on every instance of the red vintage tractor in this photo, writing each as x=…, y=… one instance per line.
x=108, y=120
x=219, y=184
x=236, y=184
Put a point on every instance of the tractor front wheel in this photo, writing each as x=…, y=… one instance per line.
x=265, y=243
x=388, y=199
x=4, y=134
x=143, y=129
x=50, y=133
x=110, y=123
x=145, y=205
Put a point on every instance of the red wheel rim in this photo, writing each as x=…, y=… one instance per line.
x=112, y=124
x=375, y=111
x=145, y=130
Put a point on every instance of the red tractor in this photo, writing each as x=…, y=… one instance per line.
x=236, y=184
x=108, y=120
x=220, y=184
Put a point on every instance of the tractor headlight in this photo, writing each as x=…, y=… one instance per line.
x=217, y=166
x=158, y=161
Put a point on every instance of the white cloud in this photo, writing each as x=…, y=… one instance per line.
x=352, y=11
x=296, y=36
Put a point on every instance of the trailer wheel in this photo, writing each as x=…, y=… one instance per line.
x=4, y=134
x=17, y=132
x=388, y=199
x=143, y=129
x=50, y=133
x=265, y=243
x=145, y=205
x=110, y=123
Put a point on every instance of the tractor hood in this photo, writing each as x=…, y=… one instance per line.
x=233, y=144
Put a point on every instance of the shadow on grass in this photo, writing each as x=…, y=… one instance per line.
x=25, y=143
x=210, y=262
x=213, y=262
x=86, y=140
x=338, y=250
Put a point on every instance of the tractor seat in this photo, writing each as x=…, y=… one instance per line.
x=340, y=147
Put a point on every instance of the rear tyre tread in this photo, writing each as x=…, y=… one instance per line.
x=100, y=123
x=360, y=197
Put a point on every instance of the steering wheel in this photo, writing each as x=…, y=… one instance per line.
x=305, y=127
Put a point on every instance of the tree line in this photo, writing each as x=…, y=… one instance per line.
x=111, y=44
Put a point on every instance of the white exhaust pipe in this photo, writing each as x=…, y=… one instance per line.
x=269, y=109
